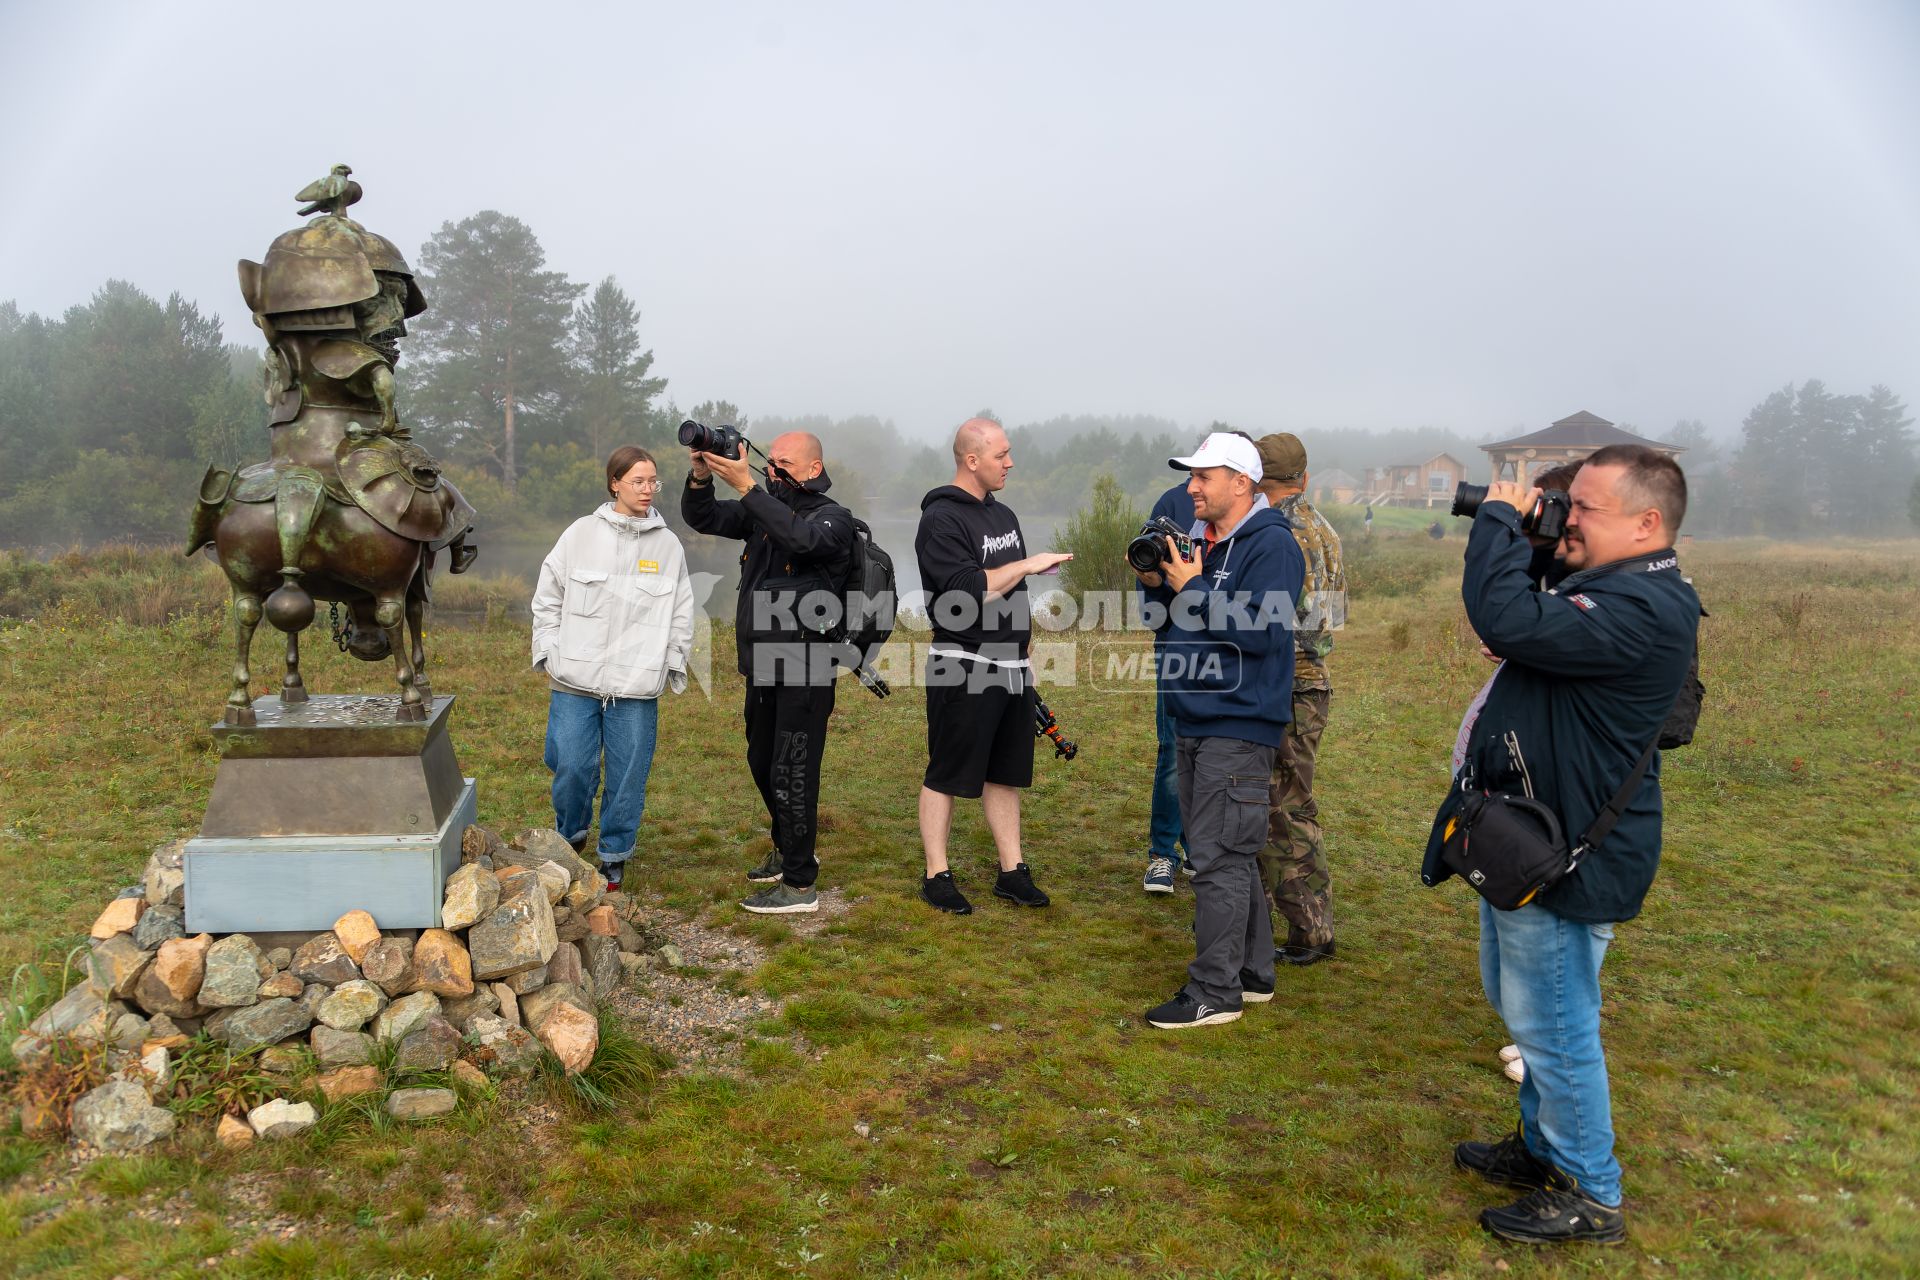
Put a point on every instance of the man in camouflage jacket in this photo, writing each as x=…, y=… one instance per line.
x=1293, y=866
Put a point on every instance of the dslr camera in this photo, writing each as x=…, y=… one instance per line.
x=1547, y=519
x=723, y=442
x=1148, y=550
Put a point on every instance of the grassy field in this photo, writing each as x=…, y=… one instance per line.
x=1762, y=1017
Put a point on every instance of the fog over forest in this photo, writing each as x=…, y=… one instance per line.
x=1395, y=229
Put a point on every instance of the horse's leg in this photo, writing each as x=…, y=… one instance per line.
x=416, y=627
x=292, y=688
x=390, y=613
x=246, y=616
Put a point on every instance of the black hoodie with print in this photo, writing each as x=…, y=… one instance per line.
x=960, y=538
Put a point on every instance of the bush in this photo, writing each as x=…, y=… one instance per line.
x=1097, y=535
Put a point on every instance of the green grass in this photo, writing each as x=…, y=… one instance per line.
x=1762, y=1017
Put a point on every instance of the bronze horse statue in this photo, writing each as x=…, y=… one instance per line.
x=347, y=509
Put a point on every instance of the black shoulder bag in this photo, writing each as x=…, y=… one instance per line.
x=1511, y=848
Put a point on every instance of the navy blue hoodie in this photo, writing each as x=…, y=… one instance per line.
x=1592, y=667
x=1226, y=657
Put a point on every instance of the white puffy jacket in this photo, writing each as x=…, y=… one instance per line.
x=613, y=614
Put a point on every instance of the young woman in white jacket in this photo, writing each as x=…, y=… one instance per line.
x=612, y=630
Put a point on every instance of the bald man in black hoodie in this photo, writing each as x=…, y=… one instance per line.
x=974, y=566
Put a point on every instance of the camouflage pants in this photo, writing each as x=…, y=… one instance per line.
x=1293, y=866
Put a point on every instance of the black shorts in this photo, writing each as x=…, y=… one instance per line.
x=979, y=727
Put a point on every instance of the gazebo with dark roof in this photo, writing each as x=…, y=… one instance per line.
x=1574, y=436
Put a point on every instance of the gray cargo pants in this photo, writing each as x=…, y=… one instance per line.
x=1223, y=803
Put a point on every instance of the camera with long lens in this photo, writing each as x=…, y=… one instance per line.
x=722, y=442
x=1546, y=519
x=1148, y=550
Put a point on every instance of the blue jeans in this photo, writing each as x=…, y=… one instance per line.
x=1165, y=835
x=580, y=729
x=1542, y=976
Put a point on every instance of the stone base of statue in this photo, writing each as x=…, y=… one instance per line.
x=324, y=806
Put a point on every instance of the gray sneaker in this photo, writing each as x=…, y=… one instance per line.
x=782, y=899
x=769, y=869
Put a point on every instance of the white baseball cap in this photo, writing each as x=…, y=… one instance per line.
x=1223, y=449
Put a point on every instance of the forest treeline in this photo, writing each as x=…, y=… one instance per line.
x=521, y=380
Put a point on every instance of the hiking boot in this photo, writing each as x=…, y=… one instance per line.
x=782, y=899
x=1557, y=1214
x=769, y=869
x=1017, y=887
x=1184, y=1011
x=1159, y=875
x=1507, y=1162
x=940, y=891
x=610, y=871
x=1252, y=990
x=1301, y=954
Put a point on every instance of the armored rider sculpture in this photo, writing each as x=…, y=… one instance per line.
x=347, y=508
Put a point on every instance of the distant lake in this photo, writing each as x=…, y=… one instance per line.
x=520, y=556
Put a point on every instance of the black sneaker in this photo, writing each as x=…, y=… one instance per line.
x=611, y=871
x=1252, y=990
x=1017, y=886
x=1507, y=1162
x=769, y=869
x=1557, y=1214
x=940, y=891
x=1298, y=953
x=1184, y=1011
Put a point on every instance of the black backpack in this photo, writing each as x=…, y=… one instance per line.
x=868, y=597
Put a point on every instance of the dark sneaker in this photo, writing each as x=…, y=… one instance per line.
x=1159, y=875
x=1184, y=1011
x=1252, y=990
x=782, y=899
x=942, y=892
x=611, y=871
x=1296, y=953
x=1558, y=1214
x=1017, y=886
x=1507, y=1162
x=1186, y=866
x=769, y=869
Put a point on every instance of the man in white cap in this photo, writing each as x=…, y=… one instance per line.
x=1227, y=675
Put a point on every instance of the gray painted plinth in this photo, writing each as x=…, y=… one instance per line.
x=246, y=884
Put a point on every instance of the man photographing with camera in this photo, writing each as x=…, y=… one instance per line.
x=799, y=547
x=1226, y=670
x=1591, y=668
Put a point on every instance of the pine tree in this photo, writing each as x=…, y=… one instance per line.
x=494, y=342
x=616, y=395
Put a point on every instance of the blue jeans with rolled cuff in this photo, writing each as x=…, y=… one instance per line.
x=581, y=731
x=1542, y=976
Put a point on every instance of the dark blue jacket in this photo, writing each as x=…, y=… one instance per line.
x=1226, y=658
x=1592, y=667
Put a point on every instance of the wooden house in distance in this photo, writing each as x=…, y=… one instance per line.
x=1572, y=437
x=1417, y=484
x=1334, y=486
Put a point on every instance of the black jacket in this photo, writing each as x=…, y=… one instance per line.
x=799, y=541
x=1591, y=669
x=959, y=539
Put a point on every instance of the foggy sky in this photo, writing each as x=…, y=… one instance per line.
x=1286, y=215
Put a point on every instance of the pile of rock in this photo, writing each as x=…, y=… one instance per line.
x=529, y=939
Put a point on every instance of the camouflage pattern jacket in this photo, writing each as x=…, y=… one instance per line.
x=1323, y=602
